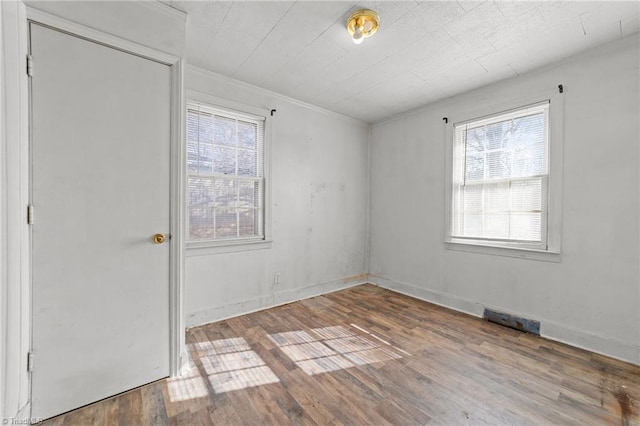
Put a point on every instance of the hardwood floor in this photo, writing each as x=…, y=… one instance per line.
x=370, y=356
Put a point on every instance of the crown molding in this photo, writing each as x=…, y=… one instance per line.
x=276, y=95
x=165, y=8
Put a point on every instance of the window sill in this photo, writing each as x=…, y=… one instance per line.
x=522, y=253
x=217, y=247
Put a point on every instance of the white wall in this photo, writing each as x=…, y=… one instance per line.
x=318, y=211
x=592, y=297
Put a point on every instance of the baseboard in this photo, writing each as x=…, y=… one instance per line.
x=459, y=304
x=271, y=300
x=591, y=342
x=548, y=329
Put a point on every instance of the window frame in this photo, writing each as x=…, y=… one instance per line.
x=549, y=251
x=227, y=245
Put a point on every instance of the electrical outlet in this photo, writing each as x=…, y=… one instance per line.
x=276, y=278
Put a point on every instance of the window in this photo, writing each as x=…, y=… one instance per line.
x=225, y=168
x=500, y=180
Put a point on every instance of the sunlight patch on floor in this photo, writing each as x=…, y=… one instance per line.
x=221, y=346
x=242, y=379
x=230, y=364
x=189, y=386
x=231, y=361
x=291, y=338
x=307, y=351
x=330, y=349
x=324, y=364
x=380, y=339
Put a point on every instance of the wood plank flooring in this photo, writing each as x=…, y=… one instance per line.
x=368, y=356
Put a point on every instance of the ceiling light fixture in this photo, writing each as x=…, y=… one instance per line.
x=362, y=24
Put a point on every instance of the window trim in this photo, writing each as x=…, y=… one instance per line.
x=198, y=248
x=554, y=188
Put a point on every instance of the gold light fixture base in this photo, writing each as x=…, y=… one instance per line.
x=365, y=19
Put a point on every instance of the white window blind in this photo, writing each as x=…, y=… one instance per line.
x=500, y=178
x=225, y=167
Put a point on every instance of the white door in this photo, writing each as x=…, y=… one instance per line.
x=100, y=190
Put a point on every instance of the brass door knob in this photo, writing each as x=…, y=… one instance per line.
x=158, y=238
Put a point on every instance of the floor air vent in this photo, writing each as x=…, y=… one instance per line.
x=511, y=321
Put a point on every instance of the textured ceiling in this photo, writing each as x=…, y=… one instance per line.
x=423, y=51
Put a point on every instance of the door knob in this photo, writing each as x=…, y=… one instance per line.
x=158, y=239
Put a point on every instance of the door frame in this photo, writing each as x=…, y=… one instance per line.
x=177, y=358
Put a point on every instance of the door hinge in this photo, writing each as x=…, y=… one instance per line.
x=29, y=362
x=30, y=65
x=29, y=214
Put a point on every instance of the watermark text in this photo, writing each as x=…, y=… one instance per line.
x=22, y=420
